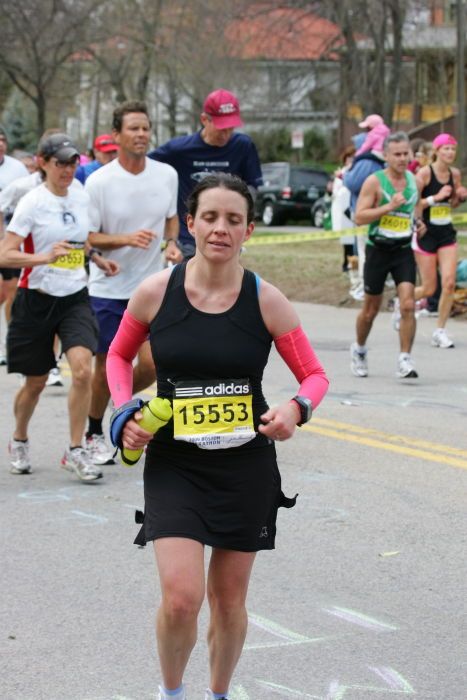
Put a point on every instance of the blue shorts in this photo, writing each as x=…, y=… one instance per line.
x=109, y=313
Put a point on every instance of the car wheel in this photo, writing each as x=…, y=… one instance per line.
x=268, y=215
x=318, y=217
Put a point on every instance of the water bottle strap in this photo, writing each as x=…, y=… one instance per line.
x=120, y=416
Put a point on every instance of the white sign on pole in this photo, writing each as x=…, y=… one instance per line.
x=297, y=138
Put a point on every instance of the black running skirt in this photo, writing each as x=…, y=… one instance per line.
x=221, y=498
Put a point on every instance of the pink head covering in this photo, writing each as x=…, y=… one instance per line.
x=444, y=140
x=371, y=121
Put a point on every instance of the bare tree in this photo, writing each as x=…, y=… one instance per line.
x=124, y=41
x=38, y=38
x=371, y=50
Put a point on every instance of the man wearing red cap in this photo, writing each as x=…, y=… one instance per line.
x=216, y=147
x=105, y=150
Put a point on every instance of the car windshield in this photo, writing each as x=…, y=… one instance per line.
x=308, y=178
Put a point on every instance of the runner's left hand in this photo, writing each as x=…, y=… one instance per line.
x=279, y=422
x=420, y=228
x=109, y=267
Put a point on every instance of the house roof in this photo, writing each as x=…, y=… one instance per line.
x=284, y=33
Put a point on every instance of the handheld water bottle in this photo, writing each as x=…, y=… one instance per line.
x=156, y=414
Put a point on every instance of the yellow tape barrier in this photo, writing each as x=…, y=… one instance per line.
x=279, y=238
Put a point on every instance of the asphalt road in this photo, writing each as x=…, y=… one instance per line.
x=364, y=596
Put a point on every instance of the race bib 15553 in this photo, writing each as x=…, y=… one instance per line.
x=213, y=414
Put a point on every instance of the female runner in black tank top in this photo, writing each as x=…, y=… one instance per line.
x=441, y=191
x=211, y=324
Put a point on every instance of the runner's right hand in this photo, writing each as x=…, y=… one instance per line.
x=397, y=200
x=58, y=249
x=444, y=192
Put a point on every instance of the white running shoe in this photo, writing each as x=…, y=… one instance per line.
x=19, y=457
x=210, y=696
x=357, y=292
x=440, y=339
x=2, y=359
x=358, y=361
x=98, y=450
x=396, y=315
x=405, y=368
x=79, y=462
x=54, y=378
x=178, y=696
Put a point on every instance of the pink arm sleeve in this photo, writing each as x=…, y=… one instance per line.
x=130, y=336
x=296, y=351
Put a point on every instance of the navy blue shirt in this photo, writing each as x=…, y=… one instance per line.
x=193, y=159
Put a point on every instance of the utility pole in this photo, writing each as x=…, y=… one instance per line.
x=460, y=80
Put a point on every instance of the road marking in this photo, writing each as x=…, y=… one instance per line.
x=358, y=618
x=289, y=692
x=393, y=679
x=370, y=437
x=239, y=693
x=397, y=685
x=287, y=637
x=337, y=691
x=44, y=496
x=411, y=447
x=97, y=519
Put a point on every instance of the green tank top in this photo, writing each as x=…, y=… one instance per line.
x=394, y=230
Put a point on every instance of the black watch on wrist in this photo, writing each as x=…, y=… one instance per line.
x=306, y=409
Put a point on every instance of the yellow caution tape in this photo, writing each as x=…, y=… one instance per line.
x=279, y=238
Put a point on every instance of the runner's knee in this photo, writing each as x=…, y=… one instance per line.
x=448, y=285
x=181, y=606
x=81, y=374
x=407, y=306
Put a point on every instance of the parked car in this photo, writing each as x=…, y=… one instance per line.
x=321, y=208
x=288, y=192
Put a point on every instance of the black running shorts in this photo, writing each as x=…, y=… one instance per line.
x=9, y=273
x=379, y=262
x=35, y=320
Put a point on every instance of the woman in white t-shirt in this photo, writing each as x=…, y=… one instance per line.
x=48, y=238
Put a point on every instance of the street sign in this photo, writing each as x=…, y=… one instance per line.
x=297, y=138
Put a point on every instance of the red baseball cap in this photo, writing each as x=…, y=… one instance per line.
x=223, y=108
x=105, y=143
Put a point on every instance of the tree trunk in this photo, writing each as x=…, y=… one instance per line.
x=41, y=105
x=397, y=14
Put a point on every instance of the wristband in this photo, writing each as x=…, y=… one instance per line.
x=430, y=201
x=93, y=251
x=166, y=242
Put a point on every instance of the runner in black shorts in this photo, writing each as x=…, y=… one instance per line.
x=8, y=284
x=51, y=224
x=211, y=476
x=387, y=203
x=441, y=191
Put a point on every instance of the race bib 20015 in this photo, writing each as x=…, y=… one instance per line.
x=213, y=414
x=395, y=225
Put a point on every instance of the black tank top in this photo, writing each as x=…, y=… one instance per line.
x=437, y=235
x=190, y=344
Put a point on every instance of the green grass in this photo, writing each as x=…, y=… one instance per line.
x=309, y=271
